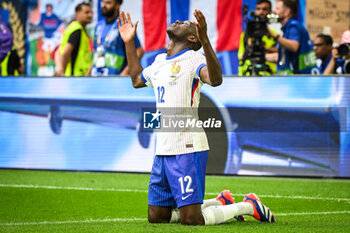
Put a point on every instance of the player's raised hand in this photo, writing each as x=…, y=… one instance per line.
x=201, y=25
x=126, y=29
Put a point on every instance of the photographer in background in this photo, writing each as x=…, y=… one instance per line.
x=323, y=50
x=295, y=50
x=262, y=8
x=340, y=61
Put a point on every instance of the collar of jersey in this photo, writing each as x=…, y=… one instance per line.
x=176, y=55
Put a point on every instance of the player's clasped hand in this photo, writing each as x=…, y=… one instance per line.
x=126, y=29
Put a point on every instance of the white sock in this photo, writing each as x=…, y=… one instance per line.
x=215, y=213
x=211, y=202
x=175, y=213
x=175, y=216
x=219, y=214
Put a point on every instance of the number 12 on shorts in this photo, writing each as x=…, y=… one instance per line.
x=188, y=180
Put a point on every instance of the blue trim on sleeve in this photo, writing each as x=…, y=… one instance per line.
x=199, y=68
x=143, y=78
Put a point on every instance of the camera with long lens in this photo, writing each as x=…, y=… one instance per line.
x=344, y=51
x=255, y=51
x=257, y=26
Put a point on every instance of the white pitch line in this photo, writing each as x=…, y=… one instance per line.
x=70, y=188
x=300, y=197
x=145, y=219
x=313, y=213
x=145, y=191
x=75, y=221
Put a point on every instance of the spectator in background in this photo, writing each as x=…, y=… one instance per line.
x=340, y=64
x=49, y=22
x=323, y=50
x=75, y=46
x=110, y=55
x=11, y=65
x=6, y=41
x=262, y=7
x=295, y=52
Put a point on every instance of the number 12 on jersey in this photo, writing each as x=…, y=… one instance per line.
x=161, y=91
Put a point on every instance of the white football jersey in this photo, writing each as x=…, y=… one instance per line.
x=177, y=86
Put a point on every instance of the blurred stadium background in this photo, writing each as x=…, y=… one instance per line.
x=224, y=18
x=275, y=126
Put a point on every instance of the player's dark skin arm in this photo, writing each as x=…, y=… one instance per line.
x=212, y=73
x=127, y=32
x=139, y=52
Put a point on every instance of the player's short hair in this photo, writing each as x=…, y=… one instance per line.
x=292, y=5
x=79, y=7
x=263, y=1
x=327, y=39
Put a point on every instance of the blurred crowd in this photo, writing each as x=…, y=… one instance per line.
x=262, y=50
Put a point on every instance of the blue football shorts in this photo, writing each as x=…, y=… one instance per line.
x=178, y=180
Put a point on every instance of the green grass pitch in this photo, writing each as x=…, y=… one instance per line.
x=51, y=201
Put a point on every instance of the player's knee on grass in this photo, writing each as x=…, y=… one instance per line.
x=191, y=215
x=192, y=220
x=158, y=214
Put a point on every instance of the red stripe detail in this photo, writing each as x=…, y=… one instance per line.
x=193, y=91
x=155, y=24
x=50, y=22
x=229, y=24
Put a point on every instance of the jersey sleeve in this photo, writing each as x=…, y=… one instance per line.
x=146, y=76
x=41, y=22
x=147, y=73
x=197, y=63
x=59, y=21
x=294, y=34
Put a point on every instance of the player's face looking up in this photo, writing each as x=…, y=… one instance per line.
x=185, y=32
x=263, y=8
x=180, y=29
